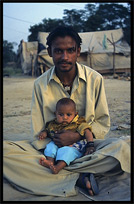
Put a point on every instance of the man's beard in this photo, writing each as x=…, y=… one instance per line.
x=64, y=70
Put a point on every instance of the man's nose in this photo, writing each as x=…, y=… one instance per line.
x=65, y=55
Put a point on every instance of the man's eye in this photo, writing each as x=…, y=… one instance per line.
x=71, y=50
x=58, y=51
x=61, y=114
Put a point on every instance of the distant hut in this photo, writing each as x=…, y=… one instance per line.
x=27, y=54
x=103, y=51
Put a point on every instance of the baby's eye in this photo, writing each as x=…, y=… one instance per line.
x=68, y=114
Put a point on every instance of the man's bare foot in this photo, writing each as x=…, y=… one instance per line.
x=45, y=162
x=88, y=186
x=88, y=182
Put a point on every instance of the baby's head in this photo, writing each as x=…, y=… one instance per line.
x=65, y=110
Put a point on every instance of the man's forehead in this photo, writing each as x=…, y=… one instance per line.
x=66, y=40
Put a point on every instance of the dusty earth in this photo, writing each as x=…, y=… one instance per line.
x=17, y=94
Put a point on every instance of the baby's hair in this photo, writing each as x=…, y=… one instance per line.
x=66, y=101
x=62, y=31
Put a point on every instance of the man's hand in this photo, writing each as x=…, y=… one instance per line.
x=89, y=150
x=66, y=138
x=42, y=135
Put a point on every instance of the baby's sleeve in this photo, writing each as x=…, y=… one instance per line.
x=82, y=125
x=81, y=128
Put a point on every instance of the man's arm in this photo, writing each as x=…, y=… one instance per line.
x=101, y=123
x=37, y=119
x=66, y=138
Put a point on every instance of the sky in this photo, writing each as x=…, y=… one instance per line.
x=18, y=17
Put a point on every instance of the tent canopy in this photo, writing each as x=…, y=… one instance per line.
x=27, y=52
x=93, y=41
x=97, y=49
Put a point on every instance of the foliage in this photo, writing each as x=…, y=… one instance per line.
x=74, y=18
x=95, y=16
x=46, y=26
x=12, y=71
x=8, y=54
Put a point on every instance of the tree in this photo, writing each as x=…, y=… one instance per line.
x=95, y=17
x=108, y=16
x=8, y=54
x=113, y=15
x=47, y=25
x=34, y=31
x=74, y=18
x=127, y=25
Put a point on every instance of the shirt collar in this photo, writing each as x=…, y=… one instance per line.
x=81, y=73
x=75, y=118
x=53, y=75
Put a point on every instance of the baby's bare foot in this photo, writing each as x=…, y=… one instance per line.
x=54, y=169
x=45, y=162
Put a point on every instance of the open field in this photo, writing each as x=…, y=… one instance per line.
x=17, y=93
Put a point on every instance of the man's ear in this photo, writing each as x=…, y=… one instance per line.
x=49, y=51
x=78, y=51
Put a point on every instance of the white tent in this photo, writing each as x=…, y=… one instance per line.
x=97, y=50
x=27, y=53
x=104, y=51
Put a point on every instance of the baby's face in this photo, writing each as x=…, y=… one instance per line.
x=65, y=114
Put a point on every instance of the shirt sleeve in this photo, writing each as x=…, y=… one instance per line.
x=82, y=127
x=101, y=123
x=37, y=119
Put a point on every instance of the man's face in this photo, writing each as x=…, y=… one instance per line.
x=64, y=52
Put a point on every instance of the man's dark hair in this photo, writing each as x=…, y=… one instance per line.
x=66, y=101
x=62, y=31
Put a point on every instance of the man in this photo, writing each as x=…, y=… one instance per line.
x=69, y=79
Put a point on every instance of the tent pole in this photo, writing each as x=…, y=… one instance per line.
x=113, y=43
x=32, y=62
x=90, y=59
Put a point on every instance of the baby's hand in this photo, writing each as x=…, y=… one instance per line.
x=42, y=135
x=89, y=150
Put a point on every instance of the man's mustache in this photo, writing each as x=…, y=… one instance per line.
x=64, y=62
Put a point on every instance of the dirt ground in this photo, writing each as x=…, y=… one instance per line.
x=17, y=94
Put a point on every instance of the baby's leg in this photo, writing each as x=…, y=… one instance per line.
x=50, y=153
x=64, y=156
x=56, y=168
x=46, y=162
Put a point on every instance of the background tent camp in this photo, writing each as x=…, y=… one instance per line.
x=27, y=56
x=33, y=57
x=104, y=51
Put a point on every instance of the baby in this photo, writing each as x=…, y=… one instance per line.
x=66, y=119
